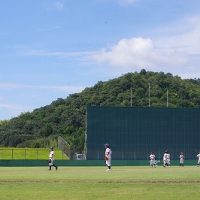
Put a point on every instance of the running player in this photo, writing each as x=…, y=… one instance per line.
x=51, y=158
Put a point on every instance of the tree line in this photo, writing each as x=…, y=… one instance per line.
x=67, y=117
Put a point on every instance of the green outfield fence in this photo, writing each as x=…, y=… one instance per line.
x=133, y=132
x=31, y=163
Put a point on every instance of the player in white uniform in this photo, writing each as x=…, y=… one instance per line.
x=51, y=159
x=108, y=154
x=152, y=161
x=166, y=159
x=198, y=162
x=181, y=159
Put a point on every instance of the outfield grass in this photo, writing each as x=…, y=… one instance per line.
x=91, y=183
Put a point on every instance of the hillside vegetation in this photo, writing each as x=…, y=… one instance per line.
x=67, y=117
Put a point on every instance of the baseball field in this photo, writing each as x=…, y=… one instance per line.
x=91, y=183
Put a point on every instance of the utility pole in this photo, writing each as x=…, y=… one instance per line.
x=131, y=96
x=167, y=98
x=149, y=95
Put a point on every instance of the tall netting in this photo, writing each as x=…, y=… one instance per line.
x=64, y=147
x=135, y=132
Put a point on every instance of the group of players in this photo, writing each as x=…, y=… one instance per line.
x=152, y=157
x=153, y=162
x=166, y=159
x=108, y=154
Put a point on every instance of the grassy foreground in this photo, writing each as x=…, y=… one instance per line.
x=71, y=183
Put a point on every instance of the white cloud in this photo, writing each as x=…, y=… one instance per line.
x=176, y=50
x=55, y=6
x=26, y=50
x=13, y=110
x=64, y=88
x=138, y=52
x=41, y=52
x=187, y=39
x=127, y=2
x=120, y=2
x=15, y=107
x=59, y=5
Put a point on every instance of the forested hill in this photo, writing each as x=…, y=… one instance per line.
x=66, y=117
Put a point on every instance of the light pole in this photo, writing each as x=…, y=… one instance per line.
x=167, y=98
x=131, y=96
x=149, y=95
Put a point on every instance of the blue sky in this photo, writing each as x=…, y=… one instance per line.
x=52, y=48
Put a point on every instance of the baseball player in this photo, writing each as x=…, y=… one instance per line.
x=152, y=161
x=198, y=162
x=108, y=154
x=181, y=159
x=51, y=158
x=166, y=159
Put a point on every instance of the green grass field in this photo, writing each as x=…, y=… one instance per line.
x=28, y=154
x=91, y=183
